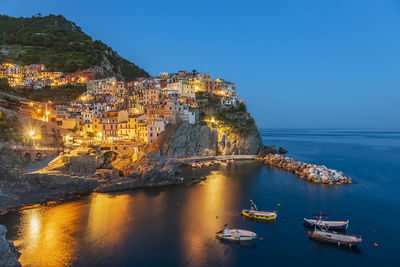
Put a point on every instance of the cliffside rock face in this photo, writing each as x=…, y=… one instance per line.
x=8, y=253
x=151, y=170
x=219, y=130
x=188, y=140
x=231, y=143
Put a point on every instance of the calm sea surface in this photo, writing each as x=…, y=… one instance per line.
x=176, y=226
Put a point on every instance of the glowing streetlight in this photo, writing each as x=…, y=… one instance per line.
x=212, y=119
x=32, y=133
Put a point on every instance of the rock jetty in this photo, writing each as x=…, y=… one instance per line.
x=309, y=172
x=8, y=253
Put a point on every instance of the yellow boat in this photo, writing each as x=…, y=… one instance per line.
x=260, y=215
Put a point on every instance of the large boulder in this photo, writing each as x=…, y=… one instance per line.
x=8, y=253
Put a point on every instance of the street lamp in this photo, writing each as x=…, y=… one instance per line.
x=33, y=136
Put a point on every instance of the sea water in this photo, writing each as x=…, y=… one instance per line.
x=176, y=226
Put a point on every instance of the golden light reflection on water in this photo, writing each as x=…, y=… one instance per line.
x=107, y=222
x=200, y=223
x=49, y=236
x=46, y=236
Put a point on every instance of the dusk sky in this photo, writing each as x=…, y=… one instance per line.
x=298, y=64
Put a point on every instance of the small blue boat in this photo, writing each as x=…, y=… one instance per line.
x=326, y=225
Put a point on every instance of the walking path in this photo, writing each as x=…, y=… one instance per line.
x=210, y=158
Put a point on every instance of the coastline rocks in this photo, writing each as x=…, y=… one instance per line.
x=282, y=150
x=8, y=253
x=271, y=150
x=27, y=189
x=66, y=181
x=151, y=170
x=309, y=172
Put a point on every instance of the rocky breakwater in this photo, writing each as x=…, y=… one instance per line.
x=8, y=253
x=309, y=172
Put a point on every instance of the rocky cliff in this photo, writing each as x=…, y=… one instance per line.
x=218, y=131
x=187, y=140
x=8, y=253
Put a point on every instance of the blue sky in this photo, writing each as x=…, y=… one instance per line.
x=298, y=64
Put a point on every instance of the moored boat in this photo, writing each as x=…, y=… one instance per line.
x=327, y=225
x=335, y=238
x=260, y=215
x=236, y=235
x=253, y=213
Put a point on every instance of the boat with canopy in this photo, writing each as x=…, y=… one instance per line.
x=325, y=224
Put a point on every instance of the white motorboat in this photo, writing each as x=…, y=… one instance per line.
x=236, y=235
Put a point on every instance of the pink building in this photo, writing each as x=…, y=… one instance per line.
x=154, y=128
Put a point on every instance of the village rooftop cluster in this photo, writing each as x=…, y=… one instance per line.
x=35, y=76
x=138, y=111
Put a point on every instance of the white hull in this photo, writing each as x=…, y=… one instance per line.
x=333, y=237
x=237, y=235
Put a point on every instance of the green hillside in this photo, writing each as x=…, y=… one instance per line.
x=61, y=45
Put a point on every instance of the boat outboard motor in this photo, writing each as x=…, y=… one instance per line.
x=253, y=205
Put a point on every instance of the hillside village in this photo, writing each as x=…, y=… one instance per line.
x=112, y=111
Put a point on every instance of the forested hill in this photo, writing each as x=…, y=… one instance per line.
x=61, y=45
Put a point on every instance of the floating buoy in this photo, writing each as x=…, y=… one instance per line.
x=375, y=244
x=283, y=220
x=261, y=238
x=279, y=204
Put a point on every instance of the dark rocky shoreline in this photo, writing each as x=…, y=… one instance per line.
x=8, y=253
x=18, y=190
